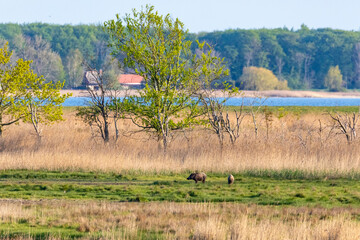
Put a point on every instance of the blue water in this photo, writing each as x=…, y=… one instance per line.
x=273, y=101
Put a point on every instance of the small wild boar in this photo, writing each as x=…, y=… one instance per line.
x=197, y=177
x=231, y=179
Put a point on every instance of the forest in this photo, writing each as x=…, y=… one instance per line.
x=301, y=57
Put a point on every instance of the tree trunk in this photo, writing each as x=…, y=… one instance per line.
x=106, y=131
x=1, y=126
x=255, y=125
x=221, y=146
x=116, y=130
x=165, y=144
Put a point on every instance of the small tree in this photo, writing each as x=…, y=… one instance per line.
x=346, y=124
x=44, y=103
x=333, y=80
x=260, y=79
x=216, y=115
x=268, y=119
x=104, y=105
x=24, y=95
x=255, y=106
x=155, y=47
x=98, y=107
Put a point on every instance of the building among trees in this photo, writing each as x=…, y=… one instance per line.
x=90, y=80
x=131, y=81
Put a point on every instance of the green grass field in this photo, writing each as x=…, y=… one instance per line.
x=272, y=188
x=38, y=189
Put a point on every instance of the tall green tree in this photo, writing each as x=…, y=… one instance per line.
x=155, y=47
x=333, y=80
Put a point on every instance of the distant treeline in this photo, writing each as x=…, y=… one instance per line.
x=301, y=57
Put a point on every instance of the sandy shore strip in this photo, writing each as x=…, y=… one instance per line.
x=270, y=93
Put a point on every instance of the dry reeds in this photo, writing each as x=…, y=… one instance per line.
x=293, y=142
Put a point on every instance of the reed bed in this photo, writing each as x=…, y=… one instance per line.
x=295, y=142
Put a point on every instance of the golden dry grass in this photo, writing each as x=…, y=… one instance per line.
x=185, y=220
x=294, y=142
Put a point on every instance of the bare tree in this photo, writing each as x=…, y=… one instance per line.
x=233, y=128
x=255, y=106
x=214, y=112
x=104, y=104
x=346, y=124
x=218, y=119
x=268, y=119
x=323, y=134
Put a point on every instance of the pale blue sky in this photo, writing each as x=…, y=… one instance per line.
x=197, y=15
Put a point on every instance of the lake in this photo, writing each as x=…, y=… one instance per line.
x=272, y=101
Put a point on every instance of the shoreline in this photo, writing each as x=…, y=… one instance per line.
x=269, y=93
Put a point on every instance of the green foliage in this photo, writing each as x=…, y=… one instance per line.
x=260, y=79
x=333, y=79
x=13, y=89
x=44, y=102
x=24, y=95
x=156, y=48
x=302, y=57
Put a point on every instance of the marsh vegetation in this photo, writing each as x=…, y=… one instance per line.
x=299, y=173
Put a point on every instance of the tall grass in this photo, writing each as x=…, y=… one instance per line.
x=111, y=220
x=295, y=142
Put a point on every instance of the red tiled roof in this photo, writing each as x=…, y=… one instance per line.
x=130, y=79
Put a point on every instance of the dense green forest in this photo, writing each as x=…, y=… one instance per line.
x=302, y=57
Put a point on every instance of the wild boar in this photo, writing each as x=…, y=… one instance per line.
x=231, y=179
x=197, y=177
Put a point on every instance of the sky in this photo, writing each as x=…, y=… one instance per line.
x=197, y=15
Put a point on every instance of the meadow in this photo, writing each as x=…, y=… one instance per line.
x=297, y=179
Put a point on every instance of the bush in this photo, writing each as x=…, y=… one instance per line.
x=333, y=80
x=260, y=79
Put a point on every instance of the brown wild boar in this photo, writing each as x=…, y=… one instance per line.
x=231, y=179
x=197, y=177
